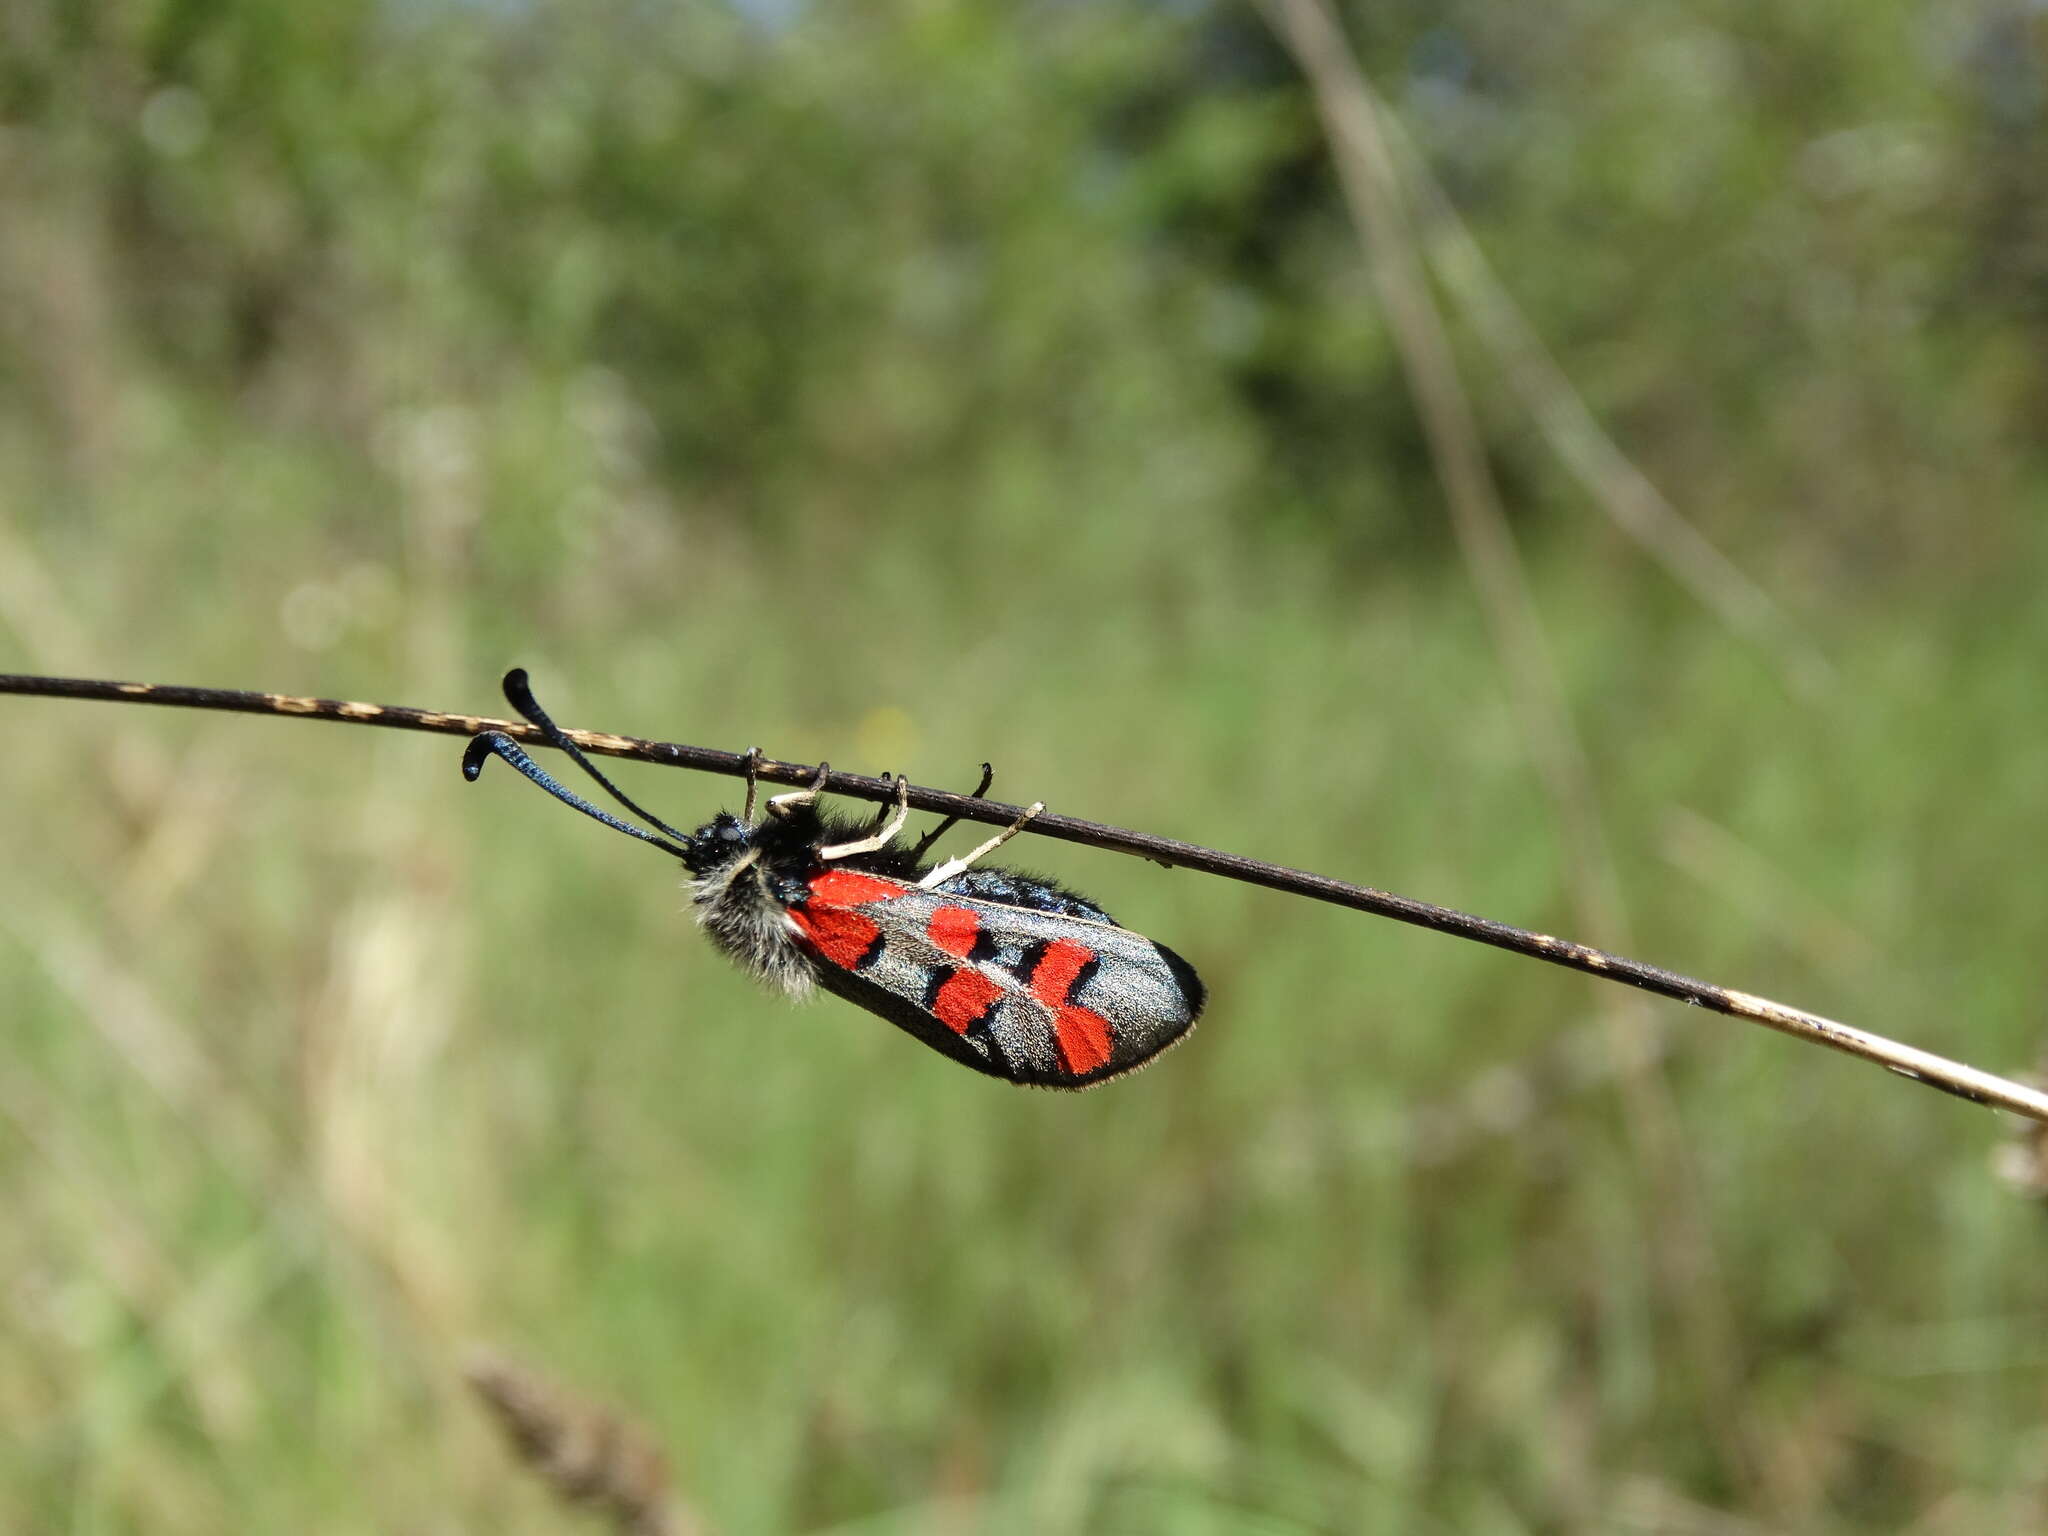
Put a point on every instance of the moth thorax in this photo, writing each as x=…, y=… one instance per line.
x=739, y=914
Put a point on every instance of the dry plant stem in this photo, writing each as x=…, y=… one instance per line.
x=1922, y=1066
x=1371, y=187
x=1628, y=497
x=1369, y=176
x=588, y=1455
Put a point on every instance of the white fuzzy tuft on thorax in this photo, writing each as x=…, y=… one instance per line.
x=738, y=913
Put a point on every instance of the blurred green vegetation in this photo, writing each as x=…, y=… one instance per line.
x=910, y=382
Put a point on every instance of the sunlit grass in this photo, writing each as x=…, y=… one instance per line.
x=808, y=395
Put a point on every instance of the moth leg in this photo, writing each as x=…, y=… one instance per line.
x=988, y=777
x=882, y=837
x=753, y=769
x=952, y=867
x=882, y=812
x=782, y=805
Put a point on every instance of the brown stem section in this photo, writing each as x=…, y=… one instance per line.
x=1954, y=1077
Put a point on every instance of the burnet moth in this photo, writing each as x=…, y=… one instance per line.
x=1005, y=972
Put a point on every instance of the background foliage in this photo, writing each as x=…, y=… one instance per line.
x=915, y=381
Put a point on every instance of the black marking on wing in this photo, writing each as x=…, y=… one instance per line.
x=1190, y=984
x=862, y=993
x=1029, y=961
x=873, y=952
x=982, y=1030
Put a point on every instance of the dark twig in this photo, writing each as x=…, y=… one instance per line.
x=1953, y=1077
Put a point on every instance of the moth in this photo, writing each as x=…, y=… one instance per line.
x=1005, y=972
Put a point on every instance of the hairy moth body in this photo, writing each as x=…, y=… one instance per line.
x=1004, y=972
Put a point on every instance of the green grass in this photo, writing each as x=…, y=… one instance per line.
x=813, y=402
x=327, y=1066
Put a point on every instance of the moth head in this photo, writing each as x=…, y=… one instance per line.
x=721, y=840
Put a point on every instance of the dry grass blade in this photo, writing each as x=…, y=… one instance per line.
x=589, y=1455
x=1628, y=497
x=2022, y=1159
x=1360, y=144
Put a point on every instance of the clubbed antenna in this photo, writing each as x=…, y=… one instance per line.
x=519, y=694
x=498, y=744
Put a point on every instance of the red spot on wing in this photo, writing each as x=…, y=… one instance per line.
x=964, y=999
x=1053, y=978
x=841, y=936
x=851, y=888
x=953, y=929
x=1084, y=1037
x=828, y=920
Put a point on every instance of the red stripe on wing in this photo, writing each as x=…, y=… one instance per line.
x=1083, y=1036
x=851, y=888
x=954, y=929
x=965, y=999
x=841, y=936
